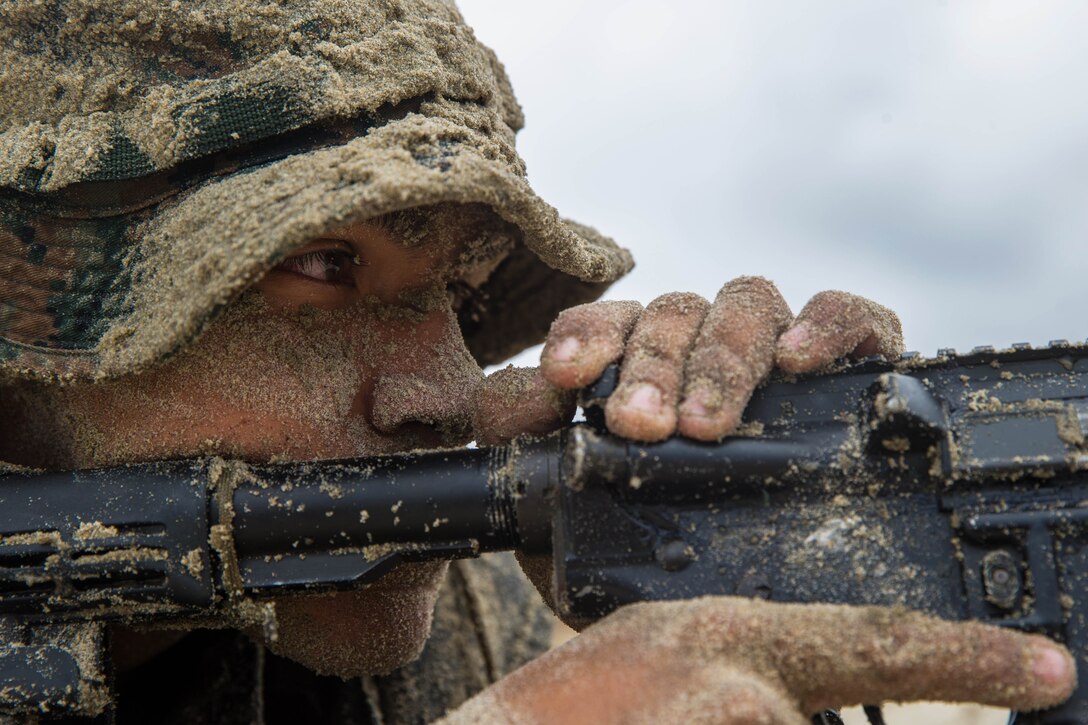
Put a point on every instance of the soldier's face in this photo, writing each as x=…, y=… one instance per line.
x=349, y=347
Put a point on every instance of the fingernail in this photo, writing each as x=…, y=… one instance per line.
x=646, y=398
x=566, y=350
x=1050, y=665
x=698, y=404
x=796, y=337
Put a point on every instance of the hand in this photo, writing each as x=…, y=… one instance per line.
x=738, y=661
x=689, y=366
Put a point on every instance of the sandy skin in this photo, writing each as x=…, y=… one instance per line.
x=689, y=366
x=368, y=358
x=733, y=661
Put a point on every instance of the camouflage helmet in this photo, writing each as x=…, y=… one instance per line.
x=156, y=158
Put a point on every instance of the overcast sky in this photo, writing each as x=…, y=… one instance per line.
x=932, y=155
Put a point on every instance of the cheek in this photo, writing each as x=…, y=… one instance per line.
x=253, y=385
x=262, y=384
x=310, y=373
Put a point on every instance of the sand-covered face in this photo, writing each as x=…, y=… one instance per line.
x=273, y=379
x=349, y=347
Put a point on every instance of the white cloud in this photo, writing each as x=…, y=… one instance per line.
x=930, y=155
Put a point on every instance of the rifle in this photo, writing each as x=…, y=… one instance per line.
x=954, y=485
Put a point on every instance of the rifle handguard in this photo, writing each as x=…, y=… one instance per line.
x=954, y=486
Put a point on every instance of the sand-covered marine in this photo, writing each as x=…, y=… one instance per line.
x=157, y=158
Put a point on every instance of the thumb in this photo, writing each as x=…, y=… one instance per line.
x=513, y=401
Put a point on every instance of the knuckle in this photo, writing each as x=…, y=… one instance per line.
x=571, y=319
x=752, y=282
x=721, y=367
x=834, y=296
x=711, y=623
x=838, y=303
x=750, y=321
x=754, y=286
x=649, y=348
x=662, y=338
x=639, y=616
x=596, y=318
x=678, y=303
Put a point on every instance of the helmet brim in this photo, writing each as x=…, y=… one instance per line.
x=194, y=253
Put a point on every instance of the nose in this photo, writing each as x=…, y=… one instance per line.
x=425, y=388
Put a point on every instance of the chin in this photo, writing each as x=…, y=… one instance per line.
x=370, y=632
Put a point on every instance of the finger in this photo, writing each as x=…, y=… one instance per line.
x=513, y=401
x=732, y=354
x=622, y=677
x=829, y=655
x=901, y=655
x=584, y=340
x=723, y=695
x=643, y=406
x=835, y=324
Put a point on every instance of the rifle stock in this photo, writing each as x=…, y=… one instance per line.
x=956, y=486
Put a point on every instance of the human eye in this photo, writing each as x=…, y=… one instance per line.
x=332, y=266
